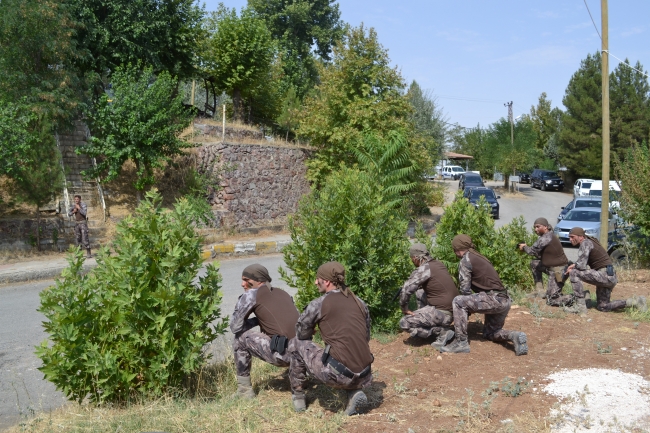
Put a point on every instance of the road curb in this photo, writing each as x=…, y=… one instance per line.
x=213, y=251
x=244, y=248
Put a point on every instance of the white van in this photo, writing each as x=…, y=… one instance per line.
x=452, y=172
x=581, y=187
x=614, y=192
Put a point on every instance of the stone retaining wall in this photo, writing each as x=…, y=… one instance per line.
x=260, y=184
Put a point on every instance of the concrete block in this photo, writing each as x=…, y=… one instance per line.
x=223, y=248
x=245, y=247
x=266, y=247
x=281, y=245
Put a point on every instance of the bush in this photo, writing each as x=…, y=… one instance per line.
x=349, y=221
x=498, y=245
x=137, y=323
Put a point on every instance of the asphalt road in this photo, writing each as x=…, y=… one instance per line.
x=22, y=388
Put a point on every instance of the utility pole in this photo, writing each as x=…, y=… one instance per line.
x=512, y=138
x=604, y=209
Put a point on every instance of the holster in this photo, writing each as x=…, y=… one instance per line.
x=610, y=270
x=558, y=271
x=326, y=354
x=279, y=343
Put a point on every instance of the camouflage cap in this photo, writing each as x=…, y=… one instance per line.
x=418, y=249
x=541, y=222
x=578, y=231
x=462, y=243
x=332, y=271
x=257, y=272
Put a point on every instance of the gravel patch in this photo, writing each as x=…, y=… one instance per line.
x=599, y=400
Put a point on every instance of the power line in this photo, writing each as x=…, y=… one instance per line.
x=625, y=63
x=592, y=20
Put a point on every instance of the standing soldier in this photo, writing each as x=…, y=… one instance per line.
x=80, y=211
x=477, y=274
x=433, y=280
x=344, y=323
x=549, y=259
x=276, y=315
x=601, y=274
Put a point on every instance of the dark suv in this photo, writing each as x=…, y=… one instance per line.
x=545, y=180
x=475, y=194
x=470, y=179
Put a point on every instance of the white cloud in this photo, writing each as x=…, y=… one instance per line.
x=632, y=31
x=541, y=56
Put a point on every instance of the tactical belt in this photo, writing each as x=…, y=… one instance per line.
x=448, y=313
x=340, y=368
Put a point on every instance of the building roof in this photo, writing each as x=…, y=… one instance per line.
x=453, y=155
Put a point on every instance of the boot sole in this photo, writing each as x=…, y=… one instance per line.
x=359, y=399
x=439, y=345
x=521, y=344
x=463, y=350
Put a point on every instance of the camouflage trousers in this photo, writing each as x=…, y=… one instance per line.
x=554, y=290
x=604, y=287
x=306, y=357
x=81, y=235
x=421, y=297
x=495, y=307
x=426, y=321
x=254, y=343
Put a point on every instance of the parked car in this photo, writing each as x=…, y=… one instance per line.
x=467, y=190
x=452, y=172
x=596, y=190
x=523, y=177
x=545, y=180
x=625, y=240
x=579, y=202
x=470, y=179
x=586, y=218
x=581, y=187
x=475, y=195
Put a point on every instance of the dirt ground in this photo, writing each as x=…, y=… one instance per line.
x=419, y=390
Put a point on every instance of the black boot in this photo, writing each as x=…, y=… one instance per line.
x=520, y=342
x=460, y=345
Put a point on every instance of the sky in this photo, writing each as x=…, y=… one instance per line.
x=476, y=55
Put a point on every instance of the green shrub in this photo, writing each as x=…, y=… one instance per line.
x=498, y=245
x=137, y=323
x=349, y=221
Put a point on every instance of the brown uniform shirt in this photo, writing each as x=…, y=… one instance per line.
x=440, y=289
x=273, y=308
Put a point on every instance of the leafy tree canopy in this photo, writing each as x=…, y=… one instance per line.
x=238, y=53
x=140, y=121
x=359, y=93
x=428, y=120
x=581, y=134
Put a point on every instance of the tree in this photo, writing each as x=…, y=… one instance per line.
x=161, y=34
x=39, y=54
x=582, y=125
x=39, y=178
x=359, y=93
x=288, y=118
x=18, y=136
x=140, y=122
x=428, y=120
x=301, y=27
x=581, y=133
x=630, y=101
x=135, y=325
x=237, y=54
x=633, y=172
x=546, y=121
x=350, y=221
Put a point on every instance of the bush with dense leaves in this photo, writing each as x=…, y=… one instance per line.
x=138, y=322
x=498, y=245
x=351, y=221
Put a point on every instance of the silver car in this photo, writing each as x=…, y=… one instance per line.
x=586, y=218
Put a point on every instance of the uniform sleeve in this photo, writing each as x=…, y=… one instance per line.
x=465, y=275
x=583, y=254
x=308, y=319
x=70, y=211
x=243, y=309
x=418, y=277
x=542, y=242
x=84, y=209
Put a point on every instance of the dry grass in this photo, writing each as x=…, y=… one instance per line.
x=211, y=409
